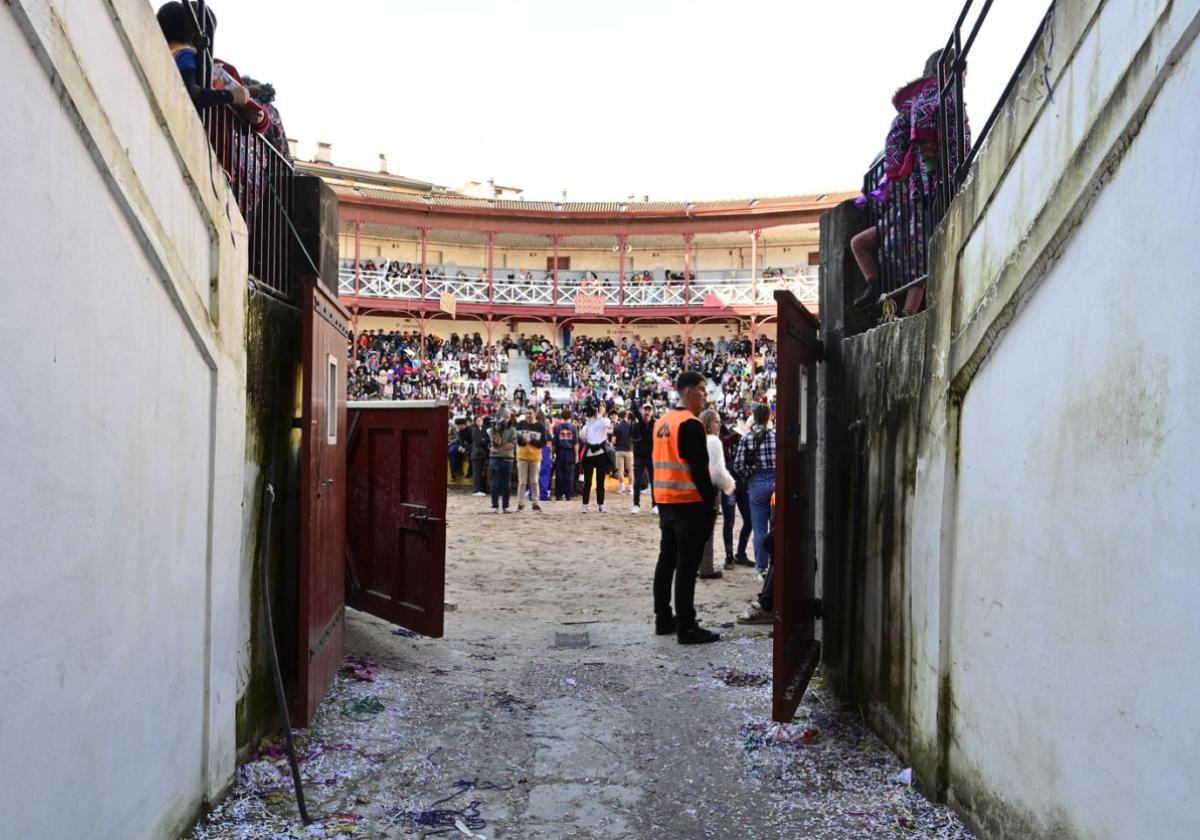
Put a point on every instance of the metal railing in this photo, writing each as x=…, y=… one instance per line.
x=259, y=177
x=904, y=223
x=956, y=147
x=261, y=180
x=538, y=292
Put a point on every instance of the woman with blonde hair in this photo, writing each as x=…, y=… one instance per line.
x=721, y=478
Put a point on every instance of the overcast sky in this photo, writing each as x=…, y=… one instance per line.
x=666, y=98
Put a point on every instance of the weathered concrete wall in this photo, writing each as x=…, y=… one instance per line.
x=1052, y=529
x=122, y=433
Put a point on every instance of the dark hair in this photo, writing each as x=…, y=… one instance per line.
x=688, y=379
x=176, y=23
x=762, y=413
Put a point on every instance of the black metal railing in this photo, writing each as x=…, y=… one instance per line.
x=259, y=176
x=956, y=147
x=261, y=180
x=904, y=222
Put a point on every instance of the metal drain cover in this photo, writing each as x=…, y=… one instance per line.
x=572, y=640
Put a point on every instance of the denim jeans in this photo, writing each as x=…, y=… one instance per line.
x=502, y=470
x=728, y=508
x=762, y=486
x=642, y=467
x=742, y=500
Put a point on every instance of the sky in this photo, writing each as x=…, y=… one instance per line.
x=661, y=98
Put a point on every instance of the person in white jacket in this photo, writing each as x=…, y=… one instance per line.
x=721, y=479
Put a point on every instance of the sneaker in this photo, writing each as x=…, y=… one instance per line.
x=600, y=508
x=537, y=507
x=713, y=575
x=655, y=509
x=697, y=635
x=520, y=507
x=506, y=510
x=585, y=509
x=756, y=615
x=479, y=493
x=493, y=510
x=728, y=561
x=635, y=509
x=742, y=560
x=760, y=576
x=664, y=626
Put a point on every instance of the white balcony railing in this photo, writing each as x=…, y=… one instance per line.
x=712, y=291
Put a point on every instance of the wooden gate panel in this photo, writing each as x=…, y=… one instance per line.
x=396, y=512
x=325, y=337
x=796, y=649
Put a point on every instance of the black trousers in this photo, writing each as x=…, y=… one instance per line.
x=596, y=465
x=479, y=473
x=683, y=529
x=564, y=479
x=642, y=467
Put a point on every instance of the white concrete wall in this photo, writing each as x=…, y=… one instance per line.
x=1055, y=532
x=121, y=433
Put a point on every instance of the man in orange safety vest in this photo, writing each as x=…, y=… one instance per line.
x=684, y=493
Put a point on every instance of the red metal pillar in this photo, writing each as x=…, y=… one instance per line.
x=491, y=276
x=687, y=340
x=424, y=238
x=557, y=239
x=687, y=268
x=357, y=283
x=621, y=240
x=753, y=352
x=754, y=235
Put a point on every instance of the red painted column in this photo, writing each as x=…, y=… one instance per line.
x=754, y=235
x=557, y=239
x=424, y=238
x=621, y=240
x=357, y=283
x=687, y=269
x=753, y=348
x=491, y=255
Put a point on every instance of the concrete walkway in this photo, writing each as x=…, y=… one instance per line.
x=551, y=710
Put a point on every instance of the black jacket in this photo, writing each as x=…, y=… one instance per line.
x=480, y=444
x=642, y=435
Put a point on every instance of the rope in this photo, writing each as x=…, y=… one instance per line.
x=889, y=310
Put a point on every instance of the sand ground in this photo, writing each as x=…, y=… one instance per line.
x=496, y=731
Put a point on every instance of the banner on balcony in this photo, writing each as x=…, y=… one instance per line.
x=448, y=303
x=589, y=304
x=715, y=300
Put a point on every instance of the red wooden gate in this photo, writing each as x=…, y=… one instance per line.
x=321, y=590
x=396, y=512
x=797, y=650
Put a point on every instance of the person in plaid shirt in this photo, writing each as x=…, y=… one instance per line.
x=754, y=463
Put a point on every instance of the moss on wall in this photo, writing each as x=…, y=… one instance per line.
x=272, y=351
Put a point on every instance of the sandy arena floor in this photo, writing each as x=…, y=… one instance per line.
x=496, y=732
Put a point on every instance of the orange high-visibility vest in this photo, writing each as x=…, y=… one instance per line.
x=673, y=483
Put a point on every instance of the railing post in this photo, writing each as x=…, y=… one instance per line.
x=753, y=355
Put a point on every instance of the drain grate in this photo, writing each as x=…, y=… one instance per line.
x=572, y=640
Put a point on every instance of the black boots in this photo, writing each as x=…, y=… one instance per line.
x=697, y=635
x=869, y=296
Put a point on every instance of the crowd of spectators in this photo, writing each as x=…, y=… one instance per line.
x=461, y=369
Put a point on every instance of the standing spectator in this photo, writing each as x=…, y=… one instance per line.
x=593, y=438
x=456, y=448
x=721, y=479
x=729, y=505
x=531, y=436
x=276, y=135
x=755, y=458
x=623, y=443
x=464, y=444
x=503, y=453
x=547, y=465
x=480, y=446
x=685, y=496
x=566, y=442
x=642, y=437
